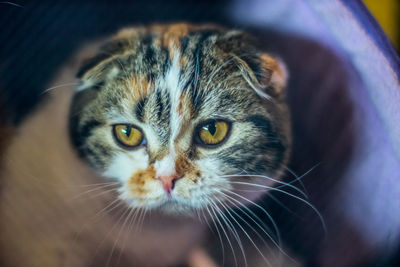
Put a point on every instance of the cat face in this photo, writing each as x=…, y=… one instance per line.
x=181, y=115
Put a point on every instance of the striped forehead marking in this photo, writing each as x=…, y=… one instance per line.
x=174, y=85
x=171, y=83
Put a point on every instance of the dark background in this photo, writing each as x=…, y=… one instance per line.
x=37, y=37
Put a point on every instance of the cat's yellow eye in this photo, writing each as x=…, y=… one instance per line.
x=213, y=132
x=128, y=135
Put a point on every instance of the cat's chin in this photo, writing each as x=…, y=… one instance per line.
x=173, y=207
x=168, y=207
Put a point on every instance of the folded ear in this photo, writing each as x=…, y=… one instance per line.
x=274, y=75
x=105, y=50
x=89, y=61
x=267, y=75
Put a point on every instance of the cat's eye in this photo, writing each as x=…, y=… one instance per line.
x=212, y=132
x=128, y=135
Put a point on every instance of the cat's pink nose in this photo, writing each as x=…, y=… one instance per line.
x=168, y=182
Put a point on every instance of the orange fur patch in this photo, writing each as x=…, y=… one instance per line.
x=183, y=61
x=174, y=33
x=185, y=107
x=129, y=33
x=139, y=179
x=139, y=86
x=170, y=35
x=276, y=72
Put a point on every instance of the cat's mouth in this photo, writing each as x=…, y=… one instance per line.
x=152, y=195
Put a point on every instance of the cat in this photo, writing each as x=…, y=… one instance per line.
x=168, y=126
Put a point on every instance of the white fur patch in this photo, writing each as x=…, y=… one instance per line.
x=125, y=164
x=166, y=166
x=174, y=87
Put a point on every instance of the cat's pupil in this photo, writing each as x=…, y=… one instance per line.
x=211, y=128
x=127, y=131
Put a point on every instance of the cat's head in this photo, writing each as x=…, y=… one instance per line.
x=181, y=115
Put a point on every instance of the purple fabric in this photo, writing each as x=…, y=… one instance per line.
x=345, y=98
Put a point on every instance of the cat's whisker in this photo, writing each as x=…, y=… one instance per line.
x=299, y=178
x=102, y=187
x=245, y=232
x=236, y=207
x=103, y=211
x=219, y=234
x=59, y=86
x=225, y=233
x=128, y=218
x=202, y=213
x=142, y=218
x=11, y=3
x=265, y=186
x=269, y=178
x=98, y=216
x=105, y=192
x=127, y=210
x=196, y=210
x=263, y=228
x=253, y=191
x=281, y=204
x=96, y=184
x=231, y=229
x=255, y=219
x=133, y=215
x=292, y=195
x=134, y=219
x=283, y=184
x=262, y=209
x=145, y=213
x=138, y=218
